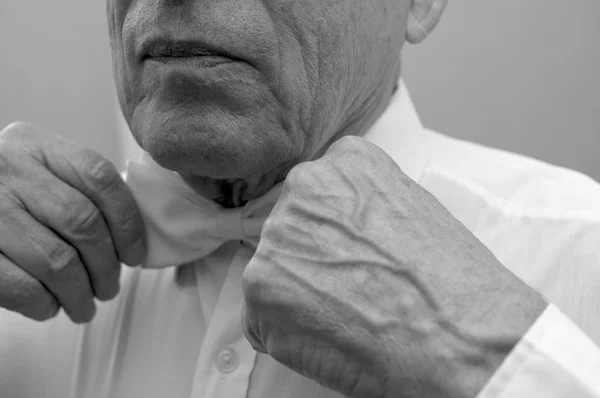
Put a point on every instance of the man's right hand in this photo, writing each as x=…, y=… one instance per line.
x=67, y=221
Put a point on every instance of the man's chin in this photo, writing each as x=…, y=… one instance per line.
x=204, y=160
x=206, y=139
x=189, y=148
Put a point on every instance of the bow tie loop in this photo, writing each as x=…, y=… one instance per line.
x=182, y=226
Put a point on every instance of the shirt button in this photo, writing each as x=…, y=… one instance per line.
x=227, y=360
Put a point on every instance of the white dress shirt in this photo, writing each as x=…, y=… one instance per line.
x=176, y=332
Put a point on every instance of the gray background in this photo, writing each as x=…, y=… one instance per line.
x=514, y=74
x=518, y=75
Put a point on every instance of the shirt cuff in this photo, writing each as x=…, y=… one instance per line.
x=553, y=359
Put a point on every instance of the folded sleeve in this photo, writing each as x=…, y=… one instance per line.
x=554, y=359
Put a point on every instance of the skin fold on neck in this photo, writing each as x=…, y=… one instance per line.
x=232, y=193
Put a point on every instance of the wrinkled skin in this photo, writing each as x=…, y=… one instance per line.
x=308, y=72
x=362, y=281
x=67, y=221
x=365, y=283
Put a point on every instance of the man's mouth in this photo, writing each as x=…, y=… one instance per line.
x=179, y=50
x=190, y=53
x=198, y=61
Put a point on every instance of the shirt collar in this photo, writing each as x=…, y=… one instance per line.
x=183, y=226
x=401, y=135
x=398, y=131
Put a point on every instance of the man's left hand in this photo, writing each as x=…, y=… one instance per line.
x=366, y=284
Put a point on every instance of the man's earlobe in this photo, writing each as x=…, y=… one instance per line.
x=423, y=17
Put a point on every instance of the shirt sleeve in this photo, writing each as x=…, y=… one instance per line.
x=554, y=359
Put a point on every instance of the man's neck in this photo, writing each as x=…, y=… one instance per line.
x=231, y=193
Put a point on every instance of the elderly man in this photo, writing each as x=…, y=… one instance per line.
x=360, y=283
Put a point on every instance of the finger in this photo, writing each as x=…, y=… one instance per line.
x=249, y=333
x=48, y=258
x=99, y=180
x=74, y=218
x=20, y=292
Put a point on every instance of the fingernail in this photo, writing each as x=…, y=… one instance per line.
x=136, y=253
x=111, y=293
x=87, y=314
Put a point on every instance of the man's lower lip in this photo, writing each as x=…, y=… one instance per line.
x=204, y=61
x=188, y=77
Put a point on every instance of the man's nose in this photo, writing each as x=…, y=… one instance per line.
x=174, y=12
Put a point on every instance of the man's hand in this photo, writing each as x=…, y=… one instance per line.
x=67, y=220
x=365, y=283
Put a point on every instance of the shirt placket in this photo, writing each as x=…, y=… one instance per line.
x=226, y=358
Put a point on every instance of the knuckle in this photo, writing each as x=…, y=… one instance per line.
x=102, y=173
x=300, y=175
x=60, y=256
x=350, y=143
x=20, y=137
x=255, y=283
x=351, y=147
x=66, y=274
x=306, y=179
x=18, y=129
x=295, y=173
x=11, y=148
x=357, y=155
x=83, y=217
x=131, y=224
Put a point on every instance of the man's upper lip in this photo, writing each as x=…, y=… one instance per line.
x=178, y=48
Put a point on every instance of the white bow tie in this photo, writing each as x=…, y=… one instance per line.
x=181, y=225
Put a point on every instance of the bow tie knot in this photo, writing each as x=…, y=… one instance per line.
x=230, y=224
x=233, y=224
x=181, y=225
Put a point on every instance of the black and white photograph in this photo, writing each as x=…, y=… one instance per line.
x=299, y=199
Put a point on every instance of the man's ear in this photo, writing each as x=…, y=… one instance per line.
x=423, y=17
